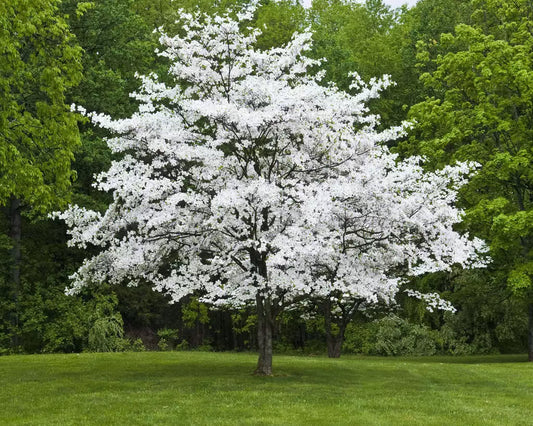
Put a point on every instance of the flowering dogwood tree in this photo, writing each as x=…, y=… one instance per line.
x=236, y=174
x=370, y=225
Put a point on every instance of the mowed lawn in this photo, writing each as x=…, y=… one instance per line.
x=218, y=388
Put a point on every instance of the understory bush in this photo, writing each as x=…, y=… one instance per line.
x=107, y=331
x=130, y=345
x=390, y=336
x=168, y=339
x=395, y=336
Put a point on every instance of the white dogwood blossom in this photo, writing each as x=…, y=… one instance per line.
x=244, y=179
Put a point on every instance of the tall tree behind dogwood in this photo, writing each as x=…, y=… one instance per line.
x=40, y=61
x=220, y=168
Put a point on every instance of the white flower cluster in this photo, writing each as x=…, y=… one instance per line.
x=246, y=176
x=433, y=301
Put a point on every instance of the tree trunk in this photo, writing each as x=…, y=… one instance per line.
x=197, y=338
x=15, y=232
x=530, y=334
x=335, y=344
x=264, y=336
x=334, y=341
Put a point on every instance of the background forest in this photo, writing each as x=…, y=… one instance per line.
x=464, y=78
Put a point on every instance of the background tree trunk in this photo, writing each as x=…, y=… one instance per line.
x=530, y=333
x=264, y=336
x=15, y=233
x=335, y=344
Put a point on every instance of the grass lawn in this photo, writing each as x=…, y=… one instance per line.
x=217, y=388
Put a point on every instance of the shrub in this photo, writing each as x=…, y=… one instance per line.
x=390, y=336
x=107, y=331
x=168, y=339
x=130, y=345
x=396, y=336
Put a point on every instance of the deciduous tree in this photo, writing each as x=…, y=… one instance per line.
x=40, y=61
x=482, y=81
x=228, y=174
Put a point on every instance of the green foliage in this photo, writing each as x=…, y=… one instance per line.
x=194, y=317
x=92, y=157
x=82, y=7
x=298, y=332
x=53, y=322
x=117, y=43
x=130, y=345
x=40, y=62
x=390, y=336
x=194, y=312
x=488, y=319
x=163, y=13
x=168, y=339
x=48, y=320
x=395, y=336
x=106, y=332
x=244, y=324
x=484, y=324
x=38, y=133
x=358, y=338
x=278, y=21
x=372, y=39
x=429, y=19
x=136, y=345
x=482, y=83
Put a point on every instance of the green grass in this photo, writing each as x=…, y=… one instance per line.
x=217, y=388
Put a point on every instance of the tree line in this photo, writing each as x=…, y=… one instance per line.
x=463, y=77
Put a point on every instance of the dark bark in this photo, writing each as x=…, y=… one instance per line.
x=530, y=333
x=265, y=314
x=197, y=337
x=264, y=336
x=335, y=338
x=334, y=341
x=335, y=344
x=15, y=233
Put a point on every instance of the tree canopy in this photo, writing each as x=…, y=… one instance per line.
x=482, y=82
x=40, y=62
x=247, y=181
